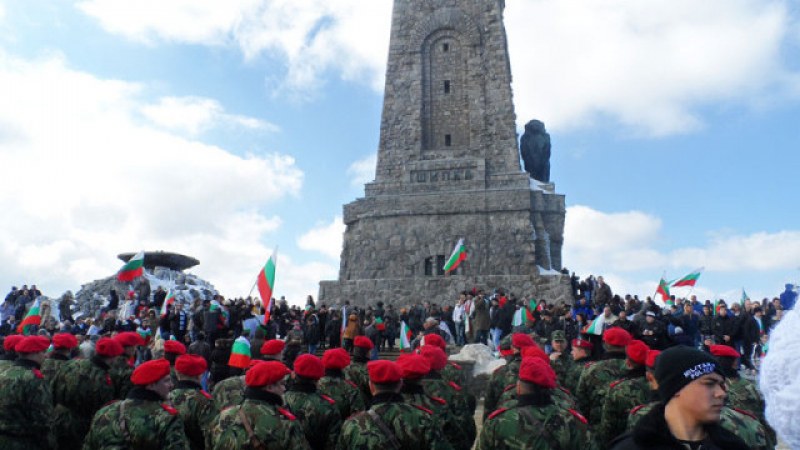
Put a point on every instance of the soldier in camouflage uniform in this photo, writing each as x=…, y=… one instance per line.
x=195, y=406
x=595, y=379
x=390, y=423
x=172, y=350
x=357, y=370
x=535, y=423
x=272, y=350
x=9, y=355
x=142, y=421
x=507, y=374
x=626, y=393
x=63, y=343
x=742, y=393
x=453, y=373
x=260, y=421
x=80, y=389
x=414, y=367
x=581, y=358
x=26, y=404
x=346, y=393
x=560, y=396
x=122, y=368
x=560, y=360
x=316, y=412
x=434, y=385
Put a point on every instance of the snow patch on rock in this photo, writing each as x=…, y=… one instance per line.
x=779, y=381
x=485, y=361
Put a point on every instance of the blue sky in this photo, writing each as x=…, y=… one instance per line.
x=224, y=129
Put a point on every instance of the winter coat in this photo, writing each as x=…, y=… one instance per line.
x=481, y=322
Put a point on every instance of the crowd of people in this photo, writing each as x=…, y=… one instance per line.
x=166, y=374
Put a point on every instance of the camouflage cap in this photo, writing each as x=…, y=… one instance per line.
x=558, y=335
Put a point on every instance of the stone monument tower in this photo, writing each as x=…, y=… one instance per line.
x=449, y=168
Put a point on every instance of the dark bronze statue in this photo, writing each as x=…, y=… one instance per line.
x=535, y=149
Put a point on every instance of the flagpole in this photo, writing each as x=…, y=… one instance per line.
x=274, y=252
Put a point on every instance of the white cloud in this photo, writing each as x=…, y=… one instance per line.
x=195, y=114
x=326, y=239
x=85, y=180
x=649, y=66
x=363, y=170
x=758, y=251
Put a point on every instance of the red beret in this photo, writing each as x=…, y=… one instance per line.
x=538, y=372
x=724, y=350
x=32, y=344
x=651, y=358
x=335, y=358
x=65, y=340
x=506, y=352
x=582, y=343
x=191, y=365
x=434, y=339
x=150, y=372
x=413, y=366
x=174, y=347
x=617, y=337
x=265, y=373
x=637, y=352
x=534, y=351
x=435, y=356
x=363, y=342
x=272, y=347
x=384, y=372
x=129, y=339
x=108, y=347
x=309, y=366
x=11, y=341
x=521, y=340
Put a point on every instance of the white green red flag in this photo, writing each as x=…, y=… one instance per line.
x=32, y=318
x=379, y=325
x=132, y=269
x=744, y=297
x=459, y=254
x=663, y=290
x=528, y=319
x=689, y=280
x=596, y=326
x=266, y=281
x=405, y=337
x=170, y=299
x=240, y=353
x=268, y=311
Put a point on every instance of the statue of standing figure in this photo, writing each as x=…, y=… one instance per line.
x=535, y=150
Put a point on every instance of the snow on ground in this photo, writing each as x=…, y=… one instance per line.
x=779, y=380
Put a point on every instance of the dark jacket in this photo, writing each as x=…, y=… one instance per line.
x=652, y=433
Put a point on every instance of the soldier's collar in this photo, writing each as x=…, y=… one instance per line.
x=263, y=396
x=387, y=397
x=188, y=384
x=360, y=359
x=98, y=361
x=538, y=399
x=613, y=355
x=59, y=357
x=301, y=385
x=140, y=393
x=412, y=388
x=334, y=373
x=433, y=375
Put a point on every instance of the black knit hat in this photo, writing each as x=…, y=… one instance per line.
x=678, y=366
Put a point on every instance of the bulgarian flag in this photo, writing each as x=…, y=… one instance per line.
x=689, y=280
x=32, y=318
x=167, y=301
x=744, y=297
x=663, y=290
x=266, y=281
x=268, y=311
x=240, y=353
x=528, y=318
x=379, y=325
x=405, y=337
x=132, y=269
x=596, y=327
x=459, y=254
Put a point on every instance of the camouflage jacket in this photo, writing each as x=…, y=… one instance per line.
x=453, y=394
x=562, y=366
x=121, y=371
x=140, y=422
x=454, y=373
x=229, y=392
x=535, y=424
x=274, y=427
x=574, y=373
x=414, y=394
x=744, y=394
x=413, y=427
x=594, y=382
x=357, y=373
x=316, y=412
x=81, y=387
x=51, y=365
x=560, y=396
x=196, y=409
x=623, y=395
x=501, y=377
x=26, y=408
x=345, y=392
x=648, y=429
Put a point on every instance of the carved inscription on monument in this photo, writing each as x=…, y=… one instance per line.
x=443, y=175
